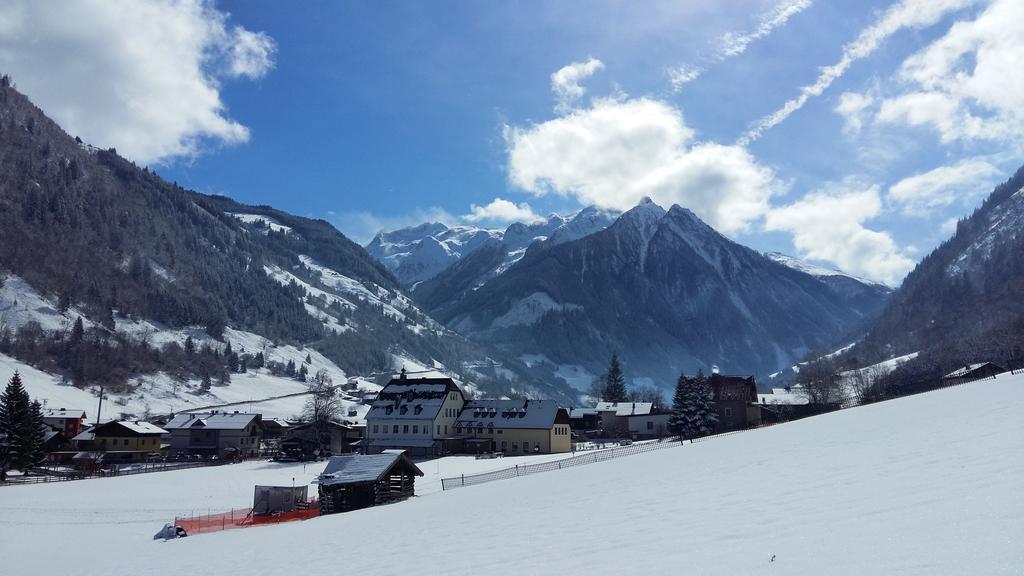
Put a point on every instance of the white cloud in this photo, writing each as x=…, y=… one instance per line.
x=734, y=43
x=852, y=107
x=252, y=53
x=921, y=193
x=967, y=84
x=565, y=83
x=949, y=226
x=501, y=210
x=905, y=14
x=830, y=227
x=617, y=151
x=143, y=76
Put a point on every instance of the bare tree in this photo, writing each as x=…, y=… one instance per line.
x=323, y=407
x=820, y=383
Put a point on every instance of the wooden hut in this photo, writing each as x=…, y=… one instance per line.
x=364, y=480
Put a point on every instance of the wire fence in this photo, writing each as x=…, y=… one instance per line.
x=243, y=518
x=42, y=475
x=581, y=459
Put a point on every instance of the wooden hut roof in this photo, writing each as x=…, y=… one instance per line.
x=359, y=468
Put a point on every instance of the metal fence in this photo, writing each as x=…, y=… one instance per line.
x=43, y=475
x=581, y=459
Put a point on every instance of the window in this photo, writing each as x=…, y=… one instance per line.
x=650, y=425
x=125, y=441
x=405, y=429
x=501, y=432
x=426, y=429
x=439, y=429
x=490, y=431
x=446, y=429
x=504, y=444
x=394, y=429
x=728, y=412
x=375, y=428
x=458, y=429
x=515, y=446
x=415, y=429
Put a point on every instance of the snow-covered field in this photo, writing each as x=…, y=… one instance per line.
x=927, y=485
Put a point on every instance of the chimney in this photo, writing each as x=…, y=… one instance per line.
x=714, y=369
x=401, y=376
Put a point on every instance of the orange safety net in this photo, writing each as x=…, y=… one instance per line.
x=242, y=518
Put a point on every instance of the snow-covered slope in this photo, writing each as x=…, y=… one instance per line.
x=815, y=270
x=924, y=485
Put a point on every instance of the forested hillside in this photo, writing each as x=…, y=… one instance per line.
x=114, y=243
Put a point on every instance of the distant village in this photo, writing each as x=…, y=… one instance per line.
x=372, y=459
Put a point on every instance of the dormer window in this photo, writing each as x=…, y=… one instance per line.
x=389, y=410
x=417, y=409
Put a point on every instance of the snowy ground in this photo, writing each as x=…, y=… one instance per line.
x=928, y=484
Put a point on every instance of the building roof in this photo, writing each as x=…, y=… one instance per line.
x=961, y=372
x=212, y=420
x=85, y=435
x=784, y=397
x=540, y=414
x=581, y=412
x=359, y=468
x=718, y=380
x=133, y=427
x=63, y=413
x=626, y=408
x=412, y=398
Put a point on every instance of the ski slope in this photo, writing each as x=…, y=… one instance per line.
x=923, y=485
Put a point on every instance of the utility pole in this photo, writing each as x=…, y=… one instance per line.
x=99, y=407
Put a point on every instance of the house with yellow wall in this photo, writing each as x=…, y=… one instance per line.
x=514, y=427
x=126, y=441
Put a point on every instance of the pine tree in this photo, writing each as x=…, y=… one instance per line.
x=190, y=346
x=677, y=421
x=614, y=383
x=206, y=383
x=309, y=359
x=14, y=425
x=693, y=407
x=36, y=433
x=232, y=359
x=77, y=332
x=290, y=368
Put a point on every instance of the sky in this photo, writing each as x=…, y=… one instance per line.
x=851, y=134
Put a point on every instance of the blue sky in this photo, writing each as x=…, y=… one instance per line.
x=384, y=114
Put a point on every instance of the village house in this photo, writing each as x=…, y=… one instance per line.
x=615, y=415
x=222, y=434
x=972, y=372
x=414, y=414
x=514, y=427
x=301, y=443
x=68, y=422
x=120, y=441
x=736, y=402
x=585, y=421
x=784, y=404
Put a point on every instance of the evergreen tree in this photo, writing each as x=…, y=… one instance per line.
x=36, y=433
x=190, y=346
x=77, y=332
x=206, y=383
x=693, y=407
x=677, y=421
x=14, y=426
x=614, y=383
x=258, y=361
x=301, y=377
x=309, y=359
x=232, y=360
x=290, y=368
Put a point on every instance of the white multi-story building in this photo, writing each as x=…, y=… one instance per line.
x=414, y=414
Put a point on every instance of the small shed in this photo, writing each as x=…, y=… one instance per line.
x=364, y=480
x=269, y=500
